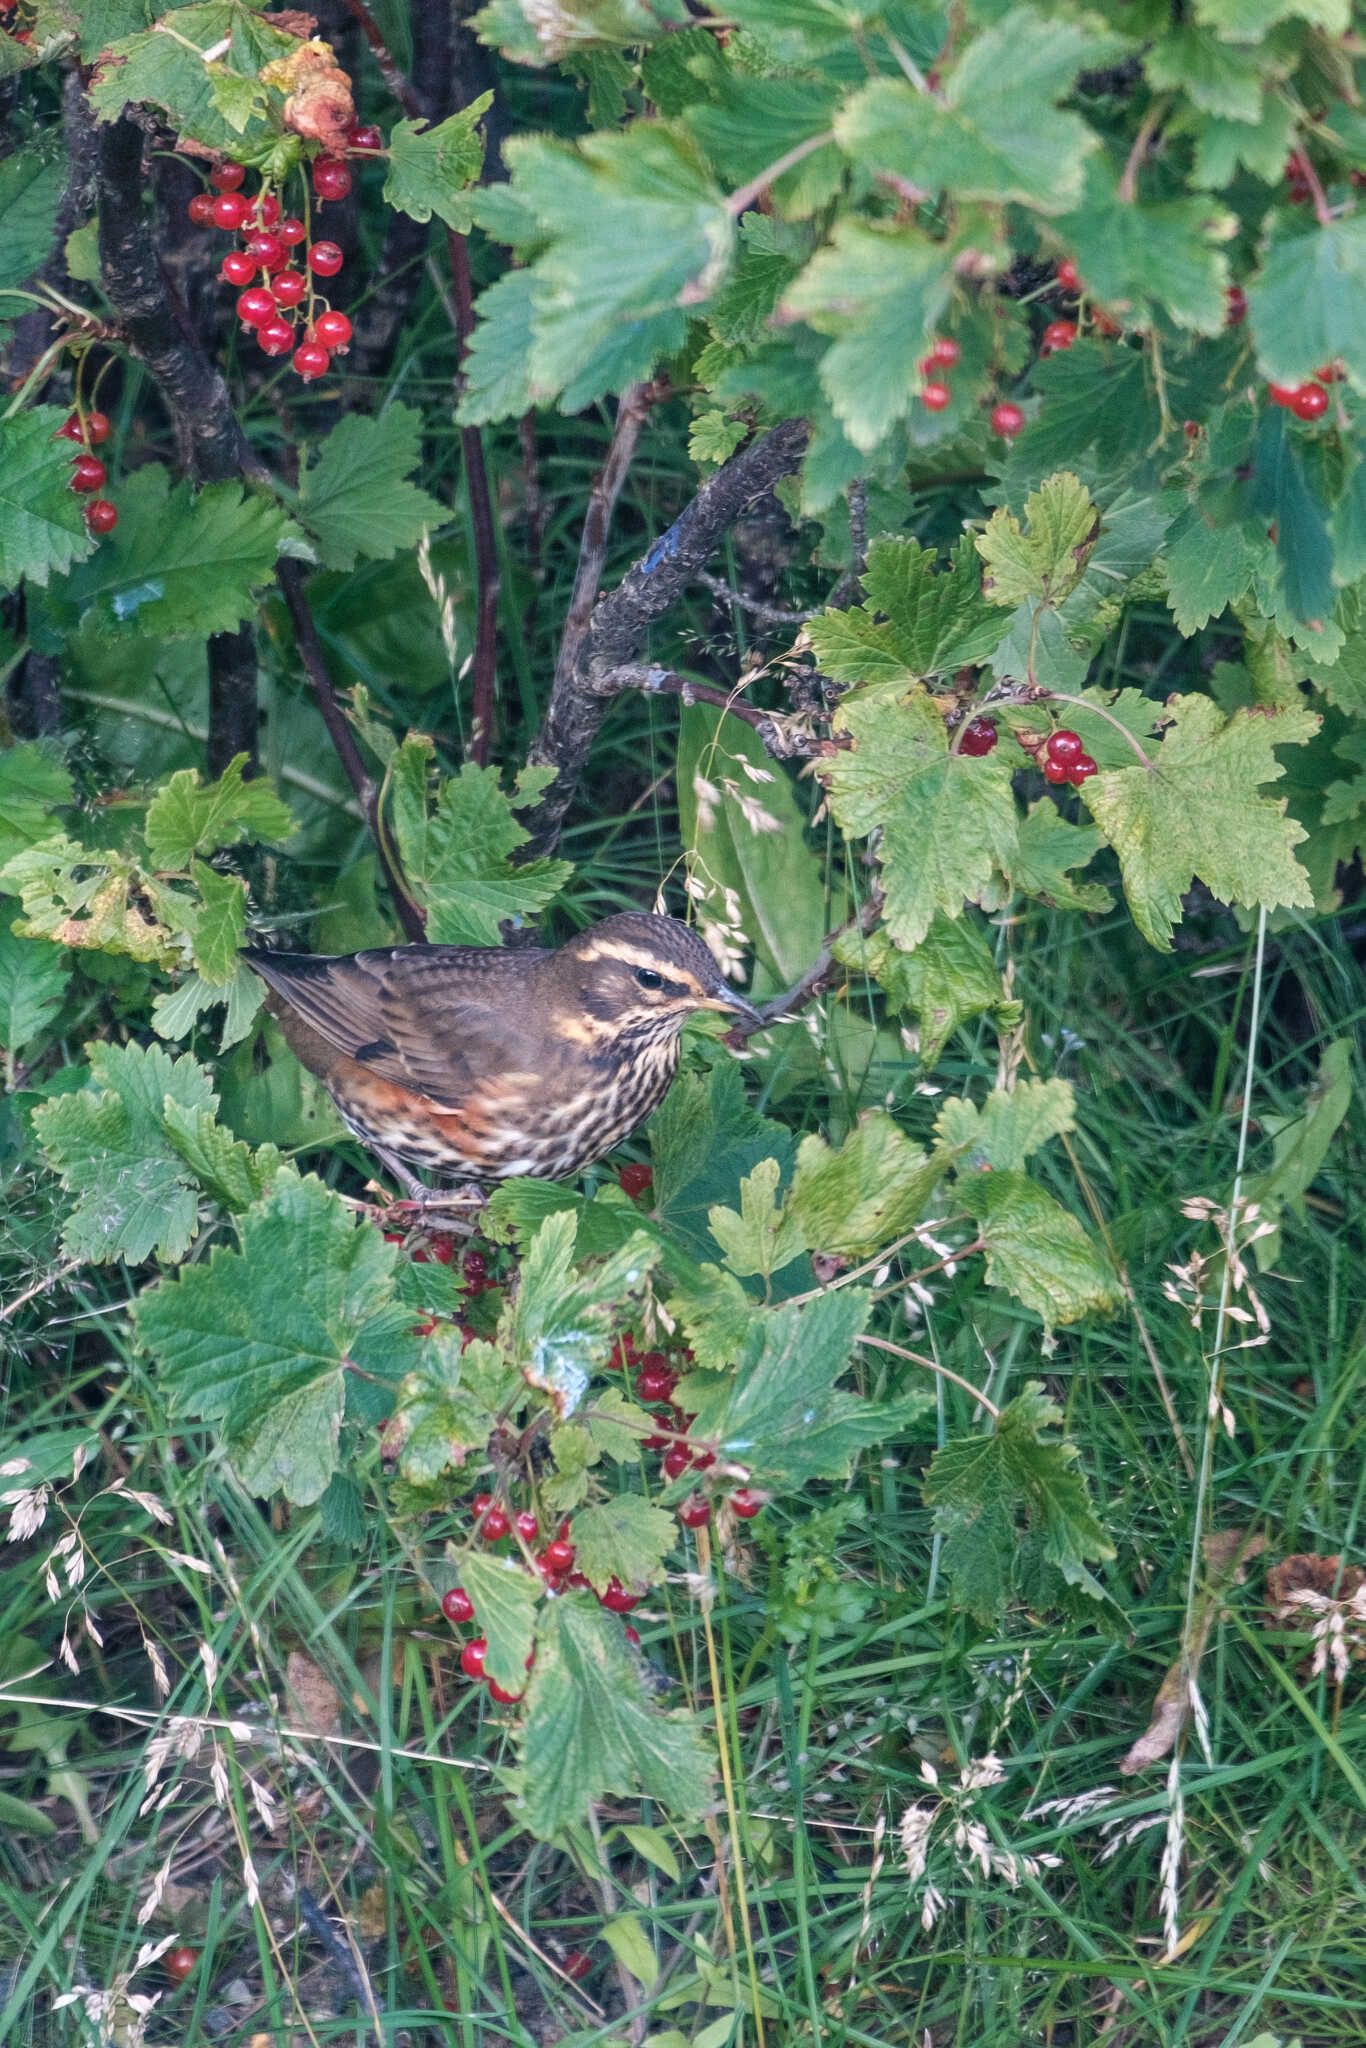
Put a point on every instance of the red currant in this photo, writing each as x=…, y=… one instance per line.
x=476, y=1272
x=695, y=1511
x=227, y=177
x=291, y=231
x=230, y=209
x=1310, y=402
x=616, y=1598
x=100, y=516
x=979, y=737
x=178, y=1963
x=527, y=1527
x=1065, y=745
x=473, y=1655
x=632, y=1636
x=311, y=361
x=654, y=1382
x=200, y=209
x=558, y=1556
x=97, y=428
x=944, y=352
x=1329, y=373
x=287, y=287
x=70, y=429
x=364, y=138
x=331, y=179
x=577, y=1965
x=1283, y=394
x=635, y=1180
x=1056, y=771
x=1103, y=322
x=333, y=330
x=1235, y=306
x=265, y=210
x=622, y=1354
x=495, y=1525
x=265, y=249
x=255, y=306
x=745, y=1503
x=457, y=1605
x=1057, y=335
x=676, y=1461
x=88, y=473
x=1191, y=429
x=1081, y=771
x=1006, y=419
x=935, y=396
x=237, y=268
x=276, y=337
x=504, y=1699
x=1068, y=275
x=325, y=258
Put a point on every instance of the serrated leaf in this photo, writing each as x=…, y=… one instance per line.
x=505, y=1599
x=948, y=980
x=498, y=366
x=355, y=497
x=560, y=1331
x=1308, y=305
x=946, y=820
x=1216, y=76
x=994, y=133
x=712, y=438
x=221, y=923
x=1011, y=1125
x=171, y=71
x=1047, y=850
x=750, y=119
x=704, y=1138
x=1209, y=565
x=262, y=1340
x=456, y=857
x=591, y=1729
x=1139, y=255
x=429, y=168
x=109, y=1146
x=852, y=1201
x=231, y=1172
x=31, y=181
x=187, y=817
x=626, y=1538
x=879, y=291
x=933, y=619
x=180, y=562
x=984, y=1488
x=1036, y=1249
x=42, y=529
x=33, y=784
x=715, y=1314
x=761, y=1238
x=769, y=256
x=603, y=1222
x=448, y=1404
x=1197, y=814
x=34, y=977
x=1042, y=561
x=1281, y=491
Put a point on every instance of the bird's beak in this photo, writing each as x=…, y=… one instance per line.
x=723, y=998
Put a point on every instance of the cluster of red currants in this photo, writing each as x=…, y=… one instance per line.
x=90, y=430
x=1308, y=401
x=935, y=394
x=655, y=1384
x=1062, y=757
x=274, y=296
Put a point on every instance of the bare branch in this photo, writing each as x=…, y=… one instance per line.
x=767, y=614
x=621, y=621
x=632, y=410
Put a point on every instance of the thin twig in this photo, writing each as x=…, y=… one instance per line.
x=767, y=614
x=665, y=682
x=632, y=410
x=932, y=1365
x=816, y=977
x=38, y=1287
x=740, y=202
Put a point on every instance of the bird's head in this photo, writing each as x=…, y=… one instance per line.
x=642, y=976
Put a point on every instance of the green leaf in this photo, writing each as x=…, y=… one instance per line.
x=31, y=182
x=221, y=924
x=1217, y=77
x=456, y=858
x=1136, y=256
x=231, y=1172
x=946, y=820
x=603, y=1222
x=703, y=1139
x=505, y=1599
x=1197, y=814
x=1308, y=306
x=853, y=1201
x=713, y=439
x=1301, y=1141
x=1011, y=1125
x=626, y=1538
x=1209, y=564
x=716, y=1316
x=948, y=980
x=761, y=1238
x=170, y=70
x=1281, y=492
x=34, y=977
x=985, y=1489
x=355, y=497
x=995, y=132
x=179, y=562
x=41, y=525
x=561, y=1325
x=263, y=1340
x=429, y=168
x=33, y=783
x=1036, y=1249
x=749, y=120
x=109, y=1145
x=591, y=1729
x=448, y=1406
x=880, y=292
x=95, y=900
x=935, y=619
x=1049, y=847
x=1044, y=563
x=187, y=817
x=1260, y=146
x=498, y=366
x=529, y=33
x=769, y=257
x=632, y=1947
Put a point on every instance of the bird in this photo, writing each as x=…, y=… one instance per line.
x=486, y=1062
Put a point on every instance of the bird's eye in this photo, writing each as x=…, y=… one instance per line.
x=647, y=978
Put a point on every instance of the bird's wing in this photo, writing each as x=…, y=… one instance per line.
x=437, y=1019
